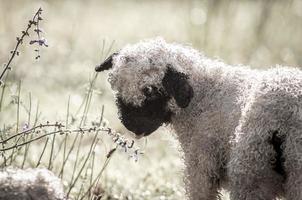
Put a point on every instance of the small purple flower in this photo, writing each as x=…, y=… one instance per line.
x=25, y=127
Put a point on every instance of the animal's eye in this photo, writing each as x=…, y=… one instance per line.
x=150, y=91
x=147, y=90
x=153, y=92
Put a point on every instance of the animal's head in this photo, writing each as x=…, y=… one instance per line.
x=147, y=85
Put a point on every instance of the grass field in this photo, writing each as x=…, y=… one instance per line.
x=60, y=86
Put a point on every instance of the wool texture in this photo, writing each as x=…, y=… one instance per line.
x=30, y=184
x=240, y=126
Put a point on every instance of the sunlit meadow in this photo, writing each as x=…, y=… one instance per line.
x=61, y=91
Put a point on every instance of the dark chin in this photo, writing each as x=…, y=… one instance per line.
x=144, y=130
x=144, y=120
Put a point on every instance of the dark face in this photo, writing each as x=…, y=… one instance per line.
x=145, y=119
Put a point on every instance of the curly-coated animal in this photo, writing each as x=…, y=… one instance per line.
x=30, y=184
x=239, y=128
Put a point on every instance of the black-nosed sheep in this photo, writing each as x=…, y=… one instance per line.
x=240, y=129
x=30, y=184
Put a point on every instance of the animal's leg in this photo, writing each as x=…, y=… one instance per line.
x=293, y=163
x=201, y=184
x=254, y=168
x=203, y=170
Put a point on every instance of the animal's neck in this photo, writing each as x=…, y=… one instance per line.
x=215, y=108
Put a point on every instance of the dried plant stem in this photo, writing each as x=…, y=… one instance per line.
x=67, y=156
x=88, y=98
x=67, y=112
x=59, y=149
x=19, y=42
x=29, y=141
x=42, y=153
x=92, y=146
x=91, y=85
x=102, y=114
x=51, y=151
x=3, y=92
x=96, y=180
x=31, y=130
x=92, y=172
x=66, y=135
x=110, y=48
x=83, y=122
x=18, y=107
x=17, y=119
x=29, y=109
x=26, y=137
x=63, y=143
x=77, y=157
x=3, y=164
x=80, y=191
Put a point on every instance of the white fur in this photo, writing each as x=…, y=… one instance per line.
x=34, y=184
x=225, y=131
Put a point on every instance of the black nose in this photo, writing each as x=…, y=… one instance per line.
x=139, y=127
x=144, y=119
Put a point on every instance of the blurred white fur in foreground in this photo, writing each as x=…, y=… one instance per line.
x=33, y=184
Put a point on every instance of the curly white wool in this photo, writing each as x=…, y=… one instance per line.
x=151, y=57
x=34, y=184
x=226, y=130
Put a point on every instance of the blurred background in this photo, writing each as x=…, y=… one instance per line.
x=259, y=33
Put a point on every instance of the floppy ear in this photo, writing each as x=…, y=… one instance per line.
x=176, y=84
x=107, y=64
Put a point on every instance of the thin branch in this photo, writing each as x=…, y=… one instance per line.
x=31, y=130
x=73, y=182
x=19, y=42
